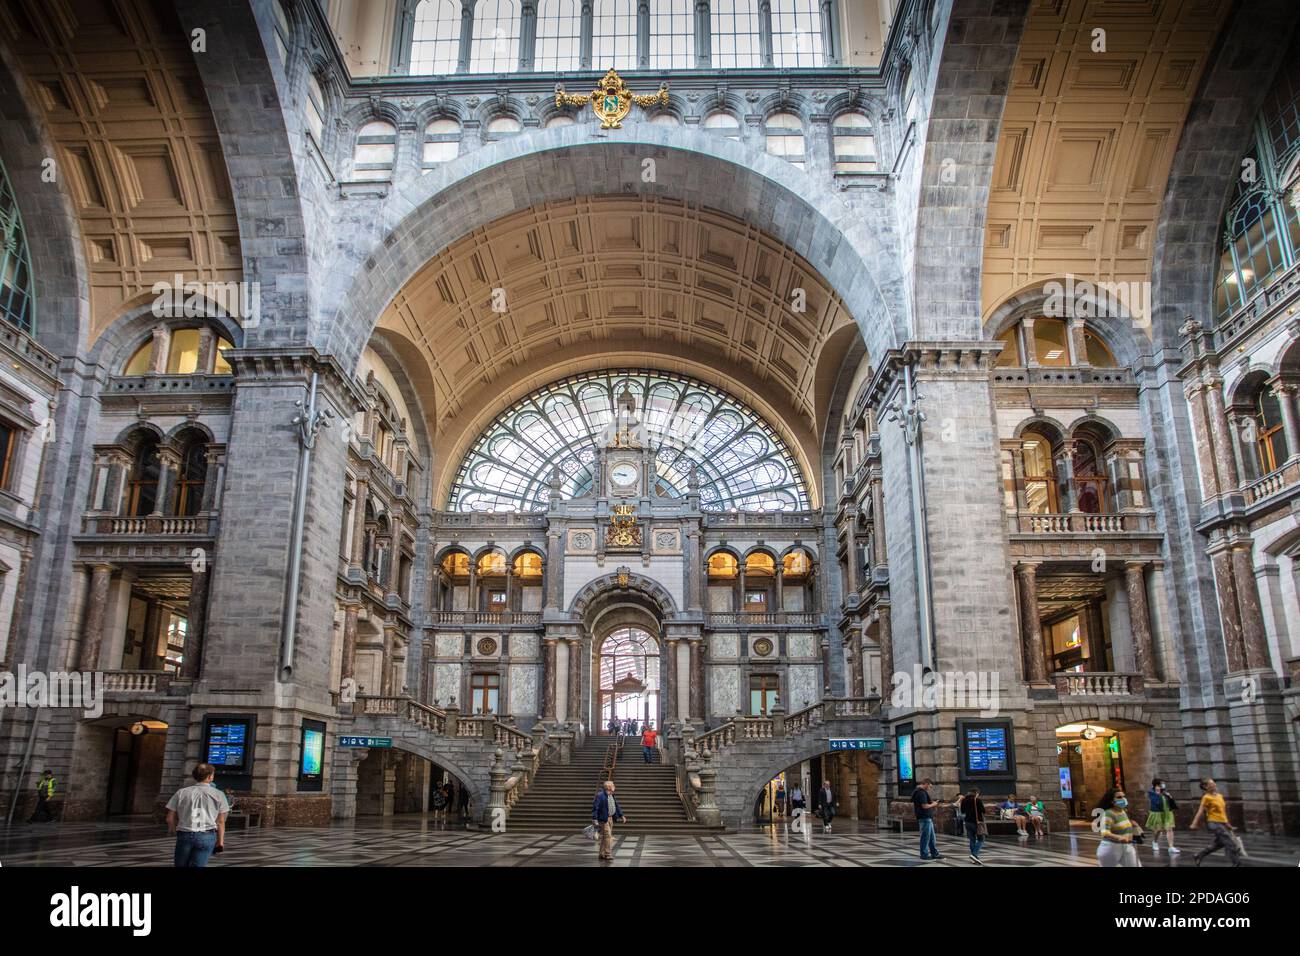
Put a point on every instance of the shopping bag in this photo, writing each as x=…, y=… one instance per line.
x=591, y=833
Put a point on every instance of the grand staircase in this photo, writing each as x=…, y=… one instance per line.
x=559, y=800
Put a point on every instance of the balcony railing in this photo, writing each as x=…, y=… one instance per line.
x=501, y=618
x=152, y=525
x=1062, y=375
x=763, y=618
x=760, y=519
x=1098, y=684
x=137, y=682
x=1273, y=482
x=1080, y=523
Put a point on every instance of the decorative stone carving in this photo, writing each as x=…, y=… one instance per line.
x=486, y=647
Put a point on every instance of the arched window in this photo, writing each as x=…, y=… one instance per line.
x=495, y=48
x=672, y=34
x=1270, y=439
x=740, y=460
x=502, y=127
x=528, y=566
x=1261, y=230
x=193, y=476
x=665, y=119
x=142, y=489
x=283, y=31
x=796, y=564
x=559, y=36
x=455, y=564
x=796, y=33
x=760, y=578
x=723, y=566
x=735, y=34
x=614, y=35
x=1099, y=356
x=723, y=122
x=854, y=143
x=1040, y=474
x=1090, y=491
x=441, y=143
x=784, y=133
x=435, y=44
x=8, y=445
x=16, y=301
x=1050, y=342
x=315, y=110
x=182, y=355
x=1010, y=356
x=560, y=119
x=372, y=159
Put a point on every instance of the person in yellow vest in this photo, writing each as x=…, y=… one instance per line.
x=1215, y=812
x=44, y=794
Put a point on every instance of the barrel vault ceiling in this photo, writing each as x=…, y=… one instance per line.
x=1088, y=138
x=135, y=143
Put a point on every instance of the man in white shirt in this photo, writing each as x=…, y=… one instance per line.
x=197, y=815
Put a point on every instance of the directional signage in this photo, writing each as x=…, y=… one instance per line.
x=365, y=741
x=857, y=743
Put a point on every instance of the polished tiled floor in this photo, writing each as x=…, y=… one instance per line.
x=418, y=841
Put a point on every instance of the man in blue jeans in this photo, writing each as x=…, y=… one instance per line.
x=925, y=805
x=197, y=815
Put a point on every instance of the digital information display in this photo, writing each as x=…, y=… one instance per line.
x=986, y=749
x=228, y=743
x=905, y=772
x=311, y=765
x=1067, y=785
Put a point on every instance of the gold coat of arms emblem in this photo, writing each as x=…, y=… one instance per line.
x=612, y=100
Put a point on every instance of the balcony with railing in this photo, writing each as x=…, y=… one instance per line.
x=158, y=526
x=135, y=684
x=745, y=619
x=1063, y=375
x=1078, y=522
x=1275, y=482
x=487, y=618
x=1098, y=684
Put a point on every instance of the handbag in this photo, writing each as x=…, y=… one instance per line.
x=982, y=829
x=589, y=831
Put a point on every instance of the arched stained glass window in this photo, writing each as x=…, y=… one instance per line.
x=559, y=35
x=614, y=35
x=741, y=461
x=735, y=34
x=435, y=44
x=495, y=48
x=16, y=303
x=672, y=34
x=796, y=33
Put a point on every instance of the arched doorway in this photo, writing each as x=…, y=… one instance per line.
x=1095, y=755
x=630, y=682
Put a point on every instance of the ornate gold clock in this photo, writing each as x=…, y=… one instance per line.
x=612, y=100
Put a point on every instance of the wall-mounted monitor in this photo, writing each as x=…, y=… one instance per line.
x=311, y=760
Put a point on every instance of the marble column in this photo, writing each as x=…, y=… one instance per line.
x=826, y=668
x=1254, y=640
x=1224, y=460
x=885, y=636
x=1286, y=399
x=697, y=679
x=386, y=688
x=169, y=467
x=881, y=556
x=673, y=711
x=195, y=624
x=1195, y=392
x=1140, y=620
x=359, y=527
x=348, y=669
x=548, y=692
x=1031, y=626
x=859, y=678
x=1225, y=588
x=575, y=680
x=92, y=628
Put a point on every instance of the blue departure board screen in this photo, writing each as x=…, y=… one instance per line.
x=986, y=749
x=228, y=743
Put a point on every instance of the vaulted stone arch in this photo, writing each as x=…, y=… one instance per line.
x=608, y=587
x=562, y=163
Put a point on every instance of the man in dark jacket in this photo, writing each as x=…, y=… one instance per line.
x=604, y=811
x=826, y=797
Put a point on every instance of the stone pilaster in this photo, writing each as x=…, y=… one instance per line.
x=92, y=629
x=1031, y=626
x=1140, y=620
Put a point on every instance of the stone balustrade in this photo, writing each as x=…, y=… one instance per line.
x=1080, y=523
x=489, y=618
x=1275, y=481
x=155, y=525
x=763, y=619
x=137, y=682
x=1098, y=684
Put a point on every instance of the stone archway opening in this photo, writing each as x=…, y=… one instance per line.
x=630, y=682
x=1096, y=755
x=854, y=777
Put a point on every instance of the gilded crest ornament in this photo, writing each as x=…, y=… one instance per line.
x=624, y=576
x=612, y=100
x=624, y=532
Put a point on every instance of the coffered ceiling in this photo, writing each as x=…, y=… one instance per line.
x=679, y=285
x=1088, y=138
x=135, y=142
